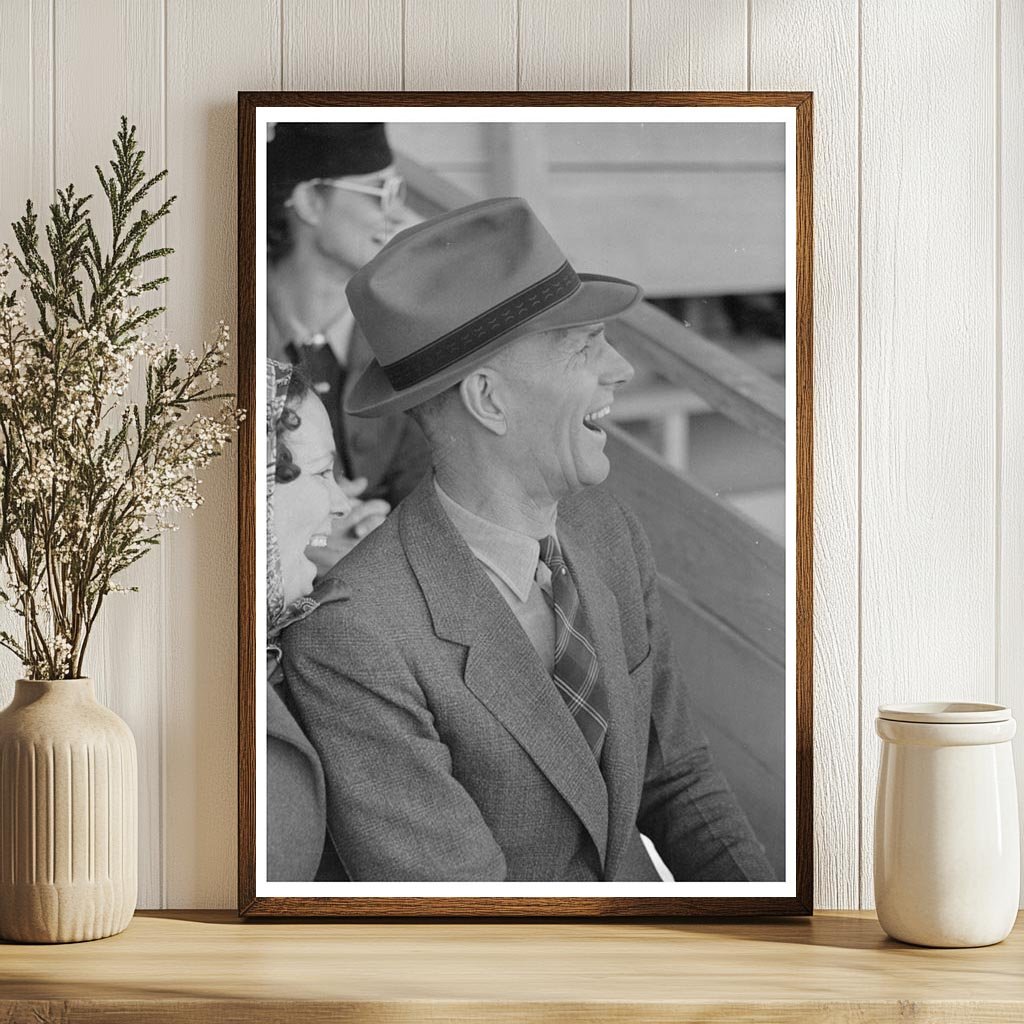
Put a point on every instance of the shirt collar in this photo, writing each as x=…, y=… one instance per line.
x=282, y=329
x=510, y=555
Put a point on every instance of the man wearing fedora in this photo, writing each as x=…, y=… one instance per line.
x=333, y=200
x=498, y=699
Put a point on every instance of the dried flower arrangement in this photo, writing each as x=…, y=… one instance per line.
x=89, y=478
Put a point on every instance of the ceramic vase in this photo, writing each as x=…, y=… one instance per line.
x=947, y=847
x=68, y=815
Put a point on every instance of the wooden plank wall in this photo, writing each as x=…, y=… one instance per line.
x=919, y=302
x=1009, y=317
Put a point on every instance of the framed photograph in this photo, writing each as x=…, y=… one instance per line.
x=525, y=501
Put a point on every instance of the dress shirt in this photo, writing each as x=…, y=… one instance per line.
x=512, y=562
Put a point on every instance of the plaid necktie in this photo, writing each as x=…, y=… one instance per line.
x=577, y=673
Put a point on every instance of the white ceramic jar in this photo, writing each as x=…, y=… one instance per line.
x=947, y=847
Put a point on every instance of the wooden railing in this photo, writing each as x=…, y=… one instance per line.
x=723, y=576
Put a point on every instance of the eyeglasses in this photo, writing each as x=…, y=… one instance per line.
x=391, y=192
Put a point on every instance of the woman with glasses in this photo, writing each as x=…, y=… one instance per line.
x=334, y=199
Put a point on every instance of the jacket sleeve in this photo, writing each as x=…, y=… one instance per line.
x=395, y=812
x=687, y=808
x=296, y=804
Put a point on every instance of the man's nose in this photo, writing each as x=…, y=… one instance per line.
x=617, y=370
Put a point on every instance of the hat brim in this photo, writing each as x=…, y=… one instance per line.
x=598, y=298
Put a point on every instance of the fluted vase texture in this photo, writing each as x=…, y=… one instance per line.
x=68, y=815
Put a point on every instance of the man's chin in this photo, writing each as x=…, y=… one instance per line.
x=595, y=472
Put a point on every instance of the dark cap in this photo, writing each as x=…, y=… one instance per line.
x=302, y=151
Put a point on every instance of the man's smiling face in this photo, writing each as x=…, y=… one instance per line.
x=557, y=387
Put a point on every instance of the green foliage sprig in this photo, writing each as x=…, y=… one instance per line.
x=89, y=478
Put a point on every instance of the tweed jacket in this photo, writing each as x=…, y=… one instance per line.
x=390, y=451
x=449, y=754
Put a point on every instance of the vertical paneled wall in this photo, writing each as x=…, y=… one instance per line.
x=919, y=306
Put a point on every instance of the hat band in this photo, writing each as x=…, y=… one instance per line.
x=464, y=340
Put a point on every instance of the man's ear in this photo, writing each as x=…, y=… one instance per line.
x=481, y=397
x=307, y=203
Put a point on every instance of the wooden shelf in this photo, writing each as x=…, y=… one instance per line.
x=208, y=966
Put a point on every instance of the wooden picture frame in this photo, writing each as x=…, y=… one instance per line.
x=782, y=417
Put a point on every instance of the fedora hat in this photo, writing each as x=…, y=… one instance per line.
x=442, y=296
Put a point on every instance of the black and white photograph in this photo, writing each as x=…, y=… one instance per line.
x=525, y=505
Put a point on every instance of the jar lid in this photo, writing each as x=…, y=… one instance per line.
x=945, y=713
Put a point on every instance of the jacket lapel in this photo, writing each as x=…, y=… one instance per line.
x=502, y=668
x=623, y=774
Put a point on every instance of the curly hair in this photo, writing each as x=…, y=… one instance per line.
x=298, y=387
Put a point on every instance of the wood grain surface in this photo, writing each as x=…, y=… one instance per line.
x=920, y=165
x=341, y=44
x=468, y=45
x=1009, y=687
x=226, y=46
x=689, y=44
x=26, y=85
x=202, y=967
x=928, y=368
x=780, y=57
x=127, y=676
x=574, y=44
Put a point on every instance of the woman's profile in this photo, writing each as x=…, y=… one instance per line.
x=303, y=503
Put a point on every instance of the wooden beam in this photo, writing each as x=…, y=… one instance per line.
x=429, y=193
x=738, y=696
x=730, y=681
x=726, y=562
x=735, y=388
x=519, y=164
